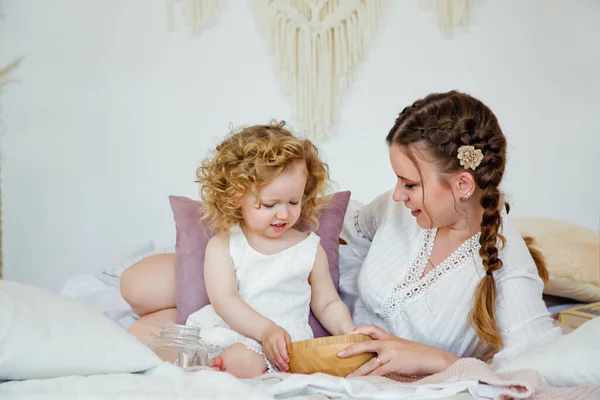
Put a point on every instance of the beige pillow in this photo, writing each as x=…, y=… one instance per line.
x=572, y=254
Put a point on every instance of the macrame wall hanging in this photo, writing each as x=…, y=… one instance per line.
x=450, y=14
x=317, y=45
x=195, y=13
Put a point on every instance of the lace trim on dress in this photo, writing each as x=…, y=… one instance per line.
x=413, y=287
x=257, y=348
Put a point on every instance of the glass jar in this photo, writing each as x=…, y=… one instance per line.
x=181, y=346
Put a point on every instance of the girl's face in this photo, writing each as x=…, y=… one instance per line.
x=433, y=208
x=281, y=203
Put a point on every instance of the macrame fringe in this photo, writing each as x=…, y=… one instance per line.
x=451, y=14
x=196, y=13
x=317, y=46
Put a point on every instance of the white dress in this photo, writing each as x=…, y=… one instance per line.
x=380, y=281
x=274, y=285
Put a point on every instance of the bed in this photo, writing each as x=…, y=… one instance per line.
x=84, y=296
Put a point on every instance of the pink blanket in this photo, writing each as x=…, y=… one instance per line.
x=524, y=384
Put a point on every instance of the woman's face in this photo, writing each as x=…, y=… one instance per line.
x=433, y=207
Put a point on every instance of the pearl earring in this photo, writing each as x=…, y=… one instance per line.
x=466, y=196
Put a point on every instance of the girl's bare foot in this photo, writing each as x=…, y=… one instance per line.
x=216, y=364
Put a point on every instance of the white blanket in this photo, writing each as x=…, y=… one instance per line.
x=168, y=382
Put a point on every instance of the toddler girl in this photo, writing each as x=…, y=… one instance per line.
x=262, y=274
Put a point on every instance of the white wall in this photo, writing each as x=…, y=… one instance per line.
x=113, y=113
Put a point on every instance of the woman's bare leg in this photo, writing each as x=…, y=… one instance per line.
x=149, y=285
x=147, y=328
x=149, y=288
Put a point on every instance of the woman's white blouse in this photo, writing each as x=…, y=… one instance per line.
x=380, y=272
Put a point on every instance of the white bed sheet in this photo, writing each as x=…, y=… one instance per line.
x=107, y=299
x=168, y=382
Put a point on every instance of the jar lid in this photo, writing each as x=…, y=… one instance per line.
x=180, y=330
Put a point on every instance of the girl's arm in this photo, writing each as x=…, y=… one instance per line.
x=325, y=302
x=221, y=287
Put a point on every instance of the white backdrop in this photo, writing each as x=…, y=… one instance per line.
x=113, y=113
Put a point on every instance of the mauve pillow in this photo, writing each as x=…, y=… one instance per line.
x=190, y=246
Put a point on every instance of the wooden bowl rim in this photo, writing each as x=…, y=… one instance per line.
x=330, y=340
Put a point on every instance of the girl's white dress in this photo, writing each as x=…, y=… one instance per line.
x=276, y=286
x=381, y=281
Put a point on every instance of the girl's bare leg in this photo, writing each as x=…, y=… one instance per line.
x=241, y=362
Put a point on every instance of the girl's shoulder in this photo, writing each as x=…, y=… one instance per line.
x=298, y=238
x=295, y=236
x=219, y=241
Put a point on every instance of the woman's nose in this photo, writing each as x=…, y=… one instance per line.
x=399, y=194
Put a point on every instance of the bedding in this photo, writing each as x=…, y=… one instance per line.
x=467, y=379
x=46, y=335
x=112, y=275
x=105, y=298
x=572, y=359
x=572, y=254
x=463, y=381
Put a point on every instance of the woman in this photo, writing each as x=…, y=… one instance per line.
x=442, y=267
x=437, y=263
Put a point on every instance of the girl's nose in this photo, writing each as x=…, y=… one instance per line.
x=282, y=213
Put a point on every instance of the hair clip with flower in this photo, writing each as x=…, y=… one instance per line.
x=469, y=157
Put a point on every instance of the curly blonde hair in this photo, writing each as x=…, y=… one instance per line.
x=251, y=158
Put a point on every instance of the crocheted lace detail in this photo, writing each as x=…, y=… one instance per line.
x=357, y=225
x=257, y=348
x=412, y=286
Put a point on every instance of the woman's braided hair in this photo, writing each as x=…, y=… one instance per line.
x=441, y=123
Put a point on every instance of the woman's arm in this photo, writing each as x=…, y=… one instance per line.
x=396, y=355
x=360, y=225
x=521, y=316
x=361, y=222
x=325, y=302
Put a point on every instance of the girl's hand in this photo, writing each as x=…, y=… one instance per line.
x=274, y=342
x=396, y=355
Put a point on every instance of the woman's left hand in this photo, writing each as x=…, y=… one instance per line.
x=396, y=355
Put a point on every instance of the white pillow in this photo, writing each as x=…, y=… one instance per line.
x=572, y=359
x=45, y=335
x=112, y=275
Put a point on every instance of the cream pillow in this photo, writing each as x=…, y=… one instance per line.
x=572, y=254
x=45, y=335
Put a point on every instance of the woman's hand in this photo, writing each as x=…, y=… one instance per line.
x=274, y=342
x=375, y=332
x=396, y=355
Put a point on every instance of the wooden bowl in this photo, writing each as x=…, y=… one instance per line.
x=320, y=355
